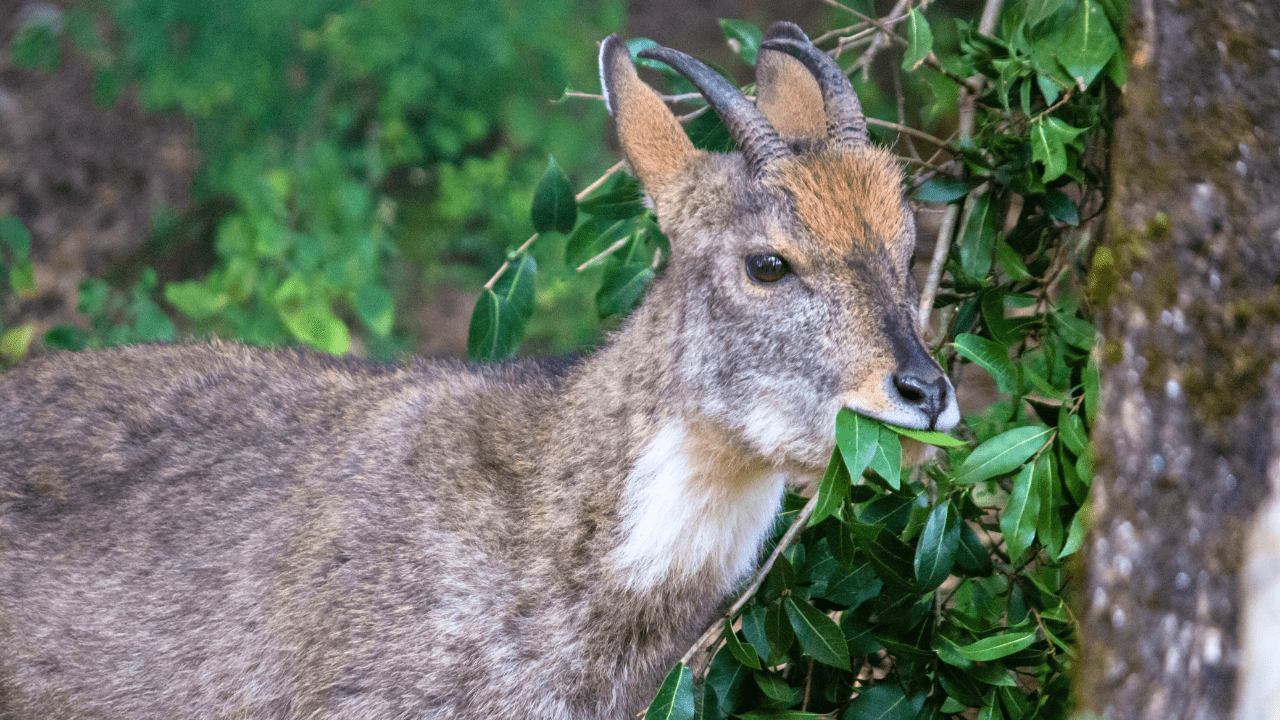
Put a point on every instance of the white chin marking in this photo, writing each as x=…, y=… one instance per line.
x=686, y=513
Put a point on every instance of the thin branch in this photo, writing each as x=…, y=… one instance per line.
x=941, y=248
x=990, y=16
x=713, y=632
x=907, y=130
x=615, y=247
x=887, y=27
x=967, y=114
x=577, y=198
x=903, y=138
x=854, y=28
x=683, y=97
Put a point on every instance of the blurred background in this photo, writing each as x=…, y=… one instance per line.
x=344, y=174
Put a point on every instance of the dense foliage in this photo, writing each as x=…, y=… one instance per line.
x=922, y=592
x=315, y=123
x=916, y=593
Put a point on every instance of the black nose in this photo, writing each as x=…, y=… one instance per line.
x=925, y=390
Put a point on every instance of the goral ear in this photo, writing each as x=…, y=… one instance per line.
x=651, y=137
x=786, y=92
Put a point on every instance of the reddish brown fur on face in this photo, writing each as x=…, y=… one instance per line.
x=847, y=197
x=789, y=97
x=651, y=137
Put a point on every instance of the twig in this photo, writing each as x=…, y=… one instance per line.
x=907, y=130
x=887, y=33
x=713, y=632
x=577, y=198
x=903, y=138
x=990, y=16
x=683, y=97
x=1066, y=95
x=615, y=247
x=941, y=249
x=854, y=28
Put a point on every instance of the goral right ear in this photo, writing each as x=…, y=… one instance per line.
x=652, y=139
x=786, y=92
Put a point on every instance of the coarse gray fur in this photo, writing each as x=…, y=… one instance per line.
x=220, y=531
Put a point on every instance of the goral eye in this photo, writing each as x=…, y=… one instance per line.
x=767, y=267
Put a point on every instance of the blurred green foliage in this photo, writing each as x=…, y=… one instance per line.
x=347, y=136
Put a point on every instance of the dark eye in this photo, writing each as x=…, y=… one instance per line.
x=767, y=267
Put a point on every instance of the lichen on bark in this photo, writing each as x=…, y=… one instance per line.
x=1187, y=290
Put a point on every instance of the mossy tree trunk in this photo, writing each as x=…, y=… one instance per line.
x=1188, y=438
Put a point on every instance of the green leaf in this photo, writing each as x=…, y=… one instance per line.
x=554, y=208
x=1071, y=430
x=1049, y=137
x=948, y=651
x=15, y=341
x=776, y=688
x=979, y=239
x=833, y=490
x=376, y=309
x=1078, y=490
x=972, y=557
x=990, y=356
x=67, y=337
x=1077, y=332
x=1091, y=383
x=674, y=700
x=892, y=558
x=594, y=237
x=1002, y=453
x=770, y=714
x=887, y=458
x=854, y=587
x=819, y=636
x=1049, y=522
x=309, y=318
x=622, y=287
x=936, y=550
x=753, y=629
x=497, y=323
x=779, y=633
x=919, y=40
x=708, y=704
x=743, y=37
x=16, y=237
x=856, y=436
x=942, y=188
x=1075, y=536
x=998, y=646
x=1088, y=43
x=929, y=437
x=622, y=200
x=990, y=708
x=726, y=675
x=1060, y=207
x=194, y=299
x=884, y=702
x=1018, y=521
x=1038, y=10
x=1009, y=262
x=736, y=648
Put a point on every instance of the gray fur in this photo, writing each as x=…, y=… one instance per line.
x=220, y=531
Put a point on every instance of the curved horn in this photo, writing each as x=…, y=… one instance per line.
x=845, y=122
x=761, y=145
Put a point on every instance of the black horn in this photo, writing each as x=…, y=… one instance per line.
x=761, y=145
x=845, y=121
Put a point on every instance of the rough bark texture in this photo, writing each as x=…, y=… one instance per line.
x=1186, y=286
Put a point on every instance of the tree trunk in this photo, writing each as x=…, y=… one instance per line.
x=1182, y=595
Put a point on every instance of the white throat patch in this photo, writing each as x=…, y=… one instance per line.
x=687, y=511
